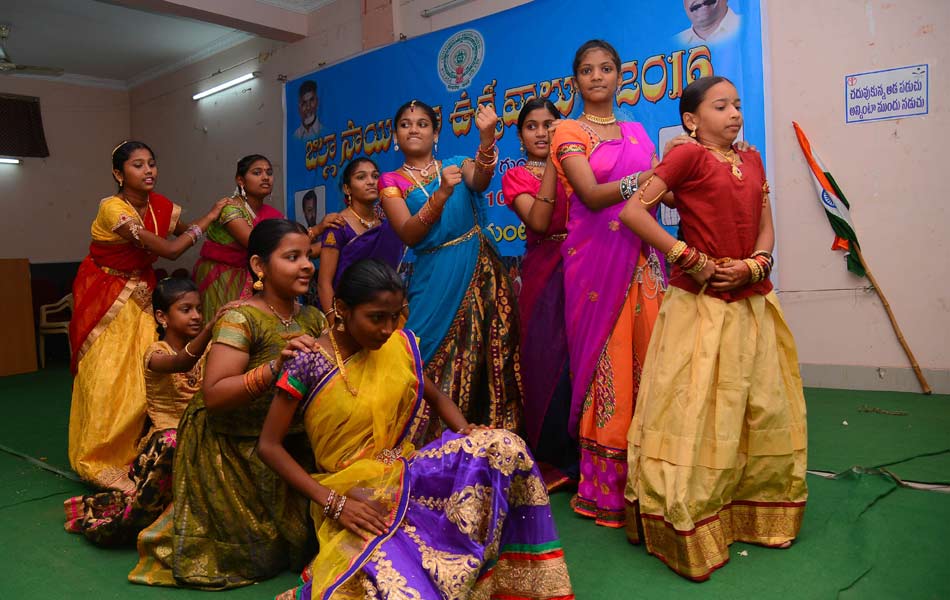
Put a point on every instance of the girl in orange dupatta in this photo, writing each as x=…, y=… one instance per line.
x=613, y=283
x=112, y=323
x=466, y=516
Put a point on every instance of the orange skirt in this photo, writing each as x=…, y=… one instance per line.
x=608, y=408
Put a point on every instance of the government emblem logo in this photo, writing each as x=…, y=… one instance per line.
x=460, y=59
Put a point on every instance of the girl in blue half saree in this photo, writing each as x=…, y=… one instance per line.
x=461, y=301
x=466, y=516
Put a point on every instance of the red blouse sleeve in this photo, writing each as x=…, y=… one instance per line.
x=680, y=165
x=518, y=181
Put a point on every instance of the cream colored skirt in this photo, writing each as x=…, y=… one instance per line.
x=717, y=445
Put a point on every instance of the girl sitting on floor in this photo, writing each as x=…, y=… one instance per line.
x=466, y=516
x=172, y=376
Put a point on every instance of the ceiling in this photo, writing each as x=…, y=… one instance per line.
x=116, y=46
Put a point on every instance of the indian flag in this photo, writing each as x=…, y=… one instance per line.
x=835, y=204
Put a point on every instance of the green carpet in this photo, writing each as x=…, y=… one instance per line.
x=914, y=446
x=863, y=536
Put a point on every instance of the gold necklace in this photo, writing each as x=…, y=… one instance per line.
x=731, y=157
x=424, y=171
x=363, y=222
x=600, y=120
x=419, y=185
x=339, y=363
x=285, y=322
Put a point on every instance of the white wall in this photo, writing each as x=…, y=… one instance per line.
x=48, y=203
x=893, y=172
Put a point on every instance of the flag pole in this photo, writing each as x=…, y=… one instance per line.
x=925, y=387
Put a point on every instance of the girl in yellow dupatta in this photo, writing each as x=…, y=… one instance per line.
x=466, y=516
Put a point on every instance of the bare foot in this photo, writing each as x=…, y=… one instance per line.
x=785, y=545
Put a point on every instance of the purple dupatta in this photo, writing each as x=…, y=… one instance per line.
x=600, y=259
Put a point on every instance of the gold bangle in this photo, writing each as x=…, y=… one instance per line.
x=755, y=270
x=188, y=352
x=643, y=189
x=674, y=253
x=545, y=199
x=700, y=264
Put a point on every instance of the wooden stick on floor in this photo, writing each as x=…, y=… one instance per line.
x=925, y=387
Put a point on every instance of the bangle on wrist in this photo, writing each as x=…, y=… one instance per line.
x=188, y=352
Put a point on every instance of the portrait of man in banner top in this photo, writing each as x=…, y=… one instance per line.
x=307, y=103
x=711, y=22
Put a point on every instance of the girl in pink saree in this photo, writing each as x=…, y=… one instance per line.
x=613, y=283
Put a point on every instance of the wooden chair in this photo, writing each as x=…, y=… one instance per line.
x=64, y=307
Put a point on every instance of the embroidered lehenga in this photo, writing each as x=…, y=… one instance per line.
x=613, y=285
x=468, y=516
x=110, y=330
x=462, y=305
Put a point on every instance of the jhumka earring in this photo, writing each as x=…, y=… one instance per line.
x=521, y=145
x=243, y=193
x=435, y=148
x=692, y=134
x=396, y=146
x=259, y=284
x=338, y=318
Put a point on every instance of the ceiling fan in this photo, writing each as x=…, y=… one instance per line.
x=7, y=66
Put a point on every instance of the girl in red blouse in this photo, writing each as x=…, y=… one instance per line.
x=717, y=446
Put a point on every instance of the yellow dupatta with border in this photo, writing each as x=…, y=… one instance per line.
x=361, y=445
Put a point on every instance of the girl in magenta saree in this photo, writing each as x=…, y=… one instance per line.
x=534, y=194
x=613, y=283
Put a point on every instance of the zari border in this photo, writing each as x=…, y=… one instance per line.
x=360, y=560
x=320, y=385
x=515, y=570
x=107, y=318
x=604, y=517
x=697, y=552
x=173, y=220
x=409, y=430
x=619, y=454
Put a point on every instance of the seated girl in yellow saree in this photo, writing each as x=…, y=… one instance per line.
x=466, y=516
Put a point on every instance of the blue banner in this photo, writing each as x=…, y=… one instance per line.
x=346, y=110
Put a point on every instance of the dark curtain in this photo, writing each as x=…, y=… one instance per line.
x=21, y=127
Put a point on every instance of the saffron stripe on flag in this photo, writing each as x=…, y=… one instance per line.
x=836, y=206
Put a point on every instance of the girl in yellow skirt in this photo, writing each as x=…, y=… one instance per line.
x=717, y=445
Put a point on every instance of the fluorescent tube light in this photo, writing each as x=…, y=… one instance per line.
x=10, y=161
x=225, y=86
